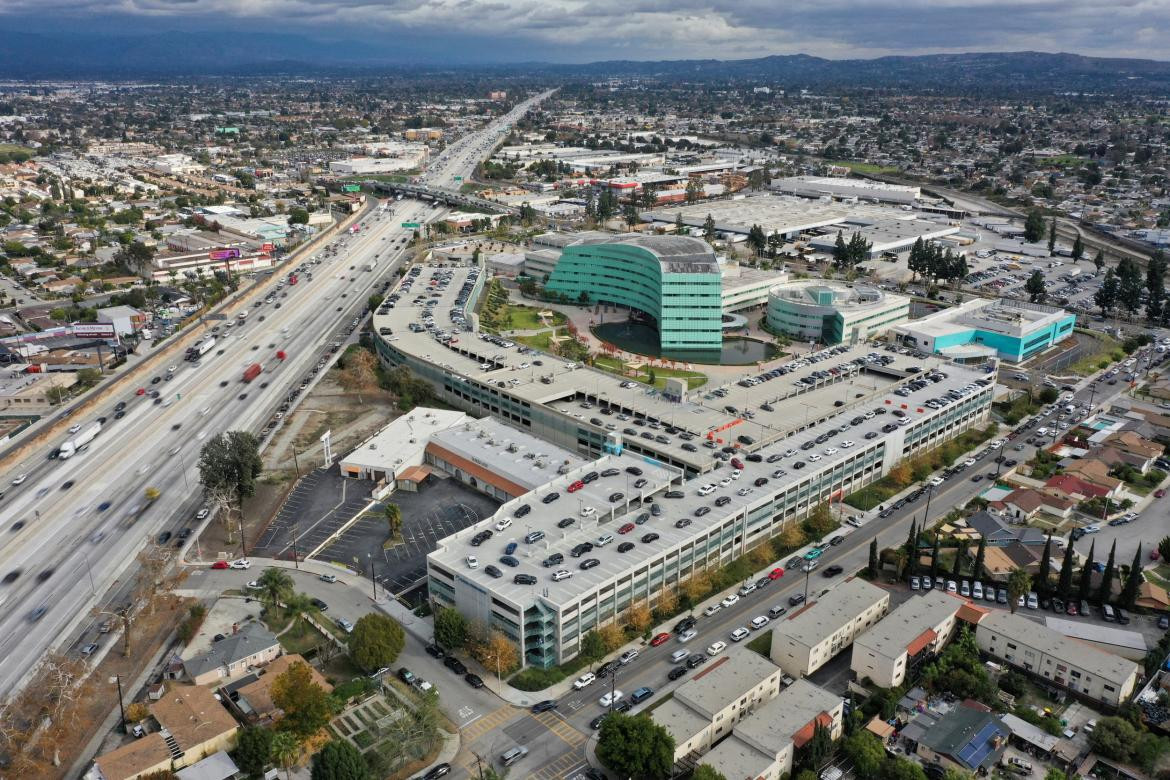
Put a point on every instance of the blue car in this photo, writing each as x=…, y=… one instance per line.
x=511, y=548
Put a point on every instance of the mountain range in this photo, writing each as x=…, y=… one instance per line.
x=186, y=54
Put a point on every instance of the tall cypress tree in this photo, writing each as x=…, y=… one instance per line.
x=1105, y=592
x=912, y=549
x=957, y=568
x=977, y=572
x=1129, y=593
x=1041, y=583
x=873, y=557
x=1066, y=571
x=1087, y=573
x=934, y=559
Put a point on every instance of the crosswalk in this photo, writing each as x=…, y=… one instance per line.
x=560, y=728
x=481, y=726
x=566, y=766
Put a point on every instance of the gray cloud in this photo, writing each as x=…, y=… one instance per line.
x=581, y=30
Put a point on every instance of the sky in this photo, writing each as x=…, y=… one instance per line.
x=591, y=30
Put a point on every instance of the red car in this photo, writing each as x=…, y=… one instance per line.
x=736, y=463
x=1159, y=493
x=776, y=573
x=659, y=639
x=140, y=391
x=1071, y=609
x=625, y=529
x=220, y=565
x=573, y=488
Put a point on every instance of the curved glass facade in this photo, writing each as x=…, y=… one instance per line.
x=672, y=279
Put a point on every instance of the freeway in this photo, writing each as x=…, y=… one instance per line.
x=74, y=527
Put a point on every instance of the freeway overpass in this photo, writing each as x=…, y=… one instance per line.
x=441, y=195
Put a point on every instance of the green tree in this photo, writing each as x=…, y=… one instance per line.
x=977, y=570
x=1086, y=580
x=1114, y=738
x=298, y=216
x=393, y=514
x=229, y=464
x=934, y=551
x=376, y=641
x=1036, y=287
x=450, y=628
x=1099, y=261
x=1018, y=584
x=592, y=647
x=286, y=749
x=1130, y=285
x=1034, y=227
x=1105, y=589
x=840, y=253
x=339, y=760
x=1164, y=548
x=253, y=750
x=1048, y=395
x=306, y=705
x=709, y=229
x=1065, y=581
x=705, y=772
x=874, y=566
x=1052, y=234
x=635, y=746
x=1106, y=297
x=1042, y=582
x=866, y=752
x=817, y=749
x=1133, y=581
x=276, y=585
x=902, y=769
x=1078, y=248
x=1155, y=285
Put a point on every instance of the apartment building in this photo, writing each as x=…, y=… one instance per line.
x=806, y=641
x=913, y=632
x=1069, y=663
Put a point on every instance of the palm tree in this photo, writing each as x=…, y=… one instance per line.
x=1018, y=584
x=275, y=586
x=285, y=750
x=393, y=519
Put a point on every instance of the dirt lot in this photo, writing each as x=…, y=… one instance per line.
x=327, y=407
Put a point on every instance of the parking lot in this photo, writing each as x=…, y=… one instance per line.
x=321, y=503
x=441, y=507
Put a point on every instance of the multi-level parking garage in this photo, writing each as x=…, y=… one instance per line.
x=761, y=453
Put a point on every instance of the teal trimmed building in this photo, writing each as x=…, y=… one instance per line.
x=832, y=312
x=674, y=280
x=983, y=329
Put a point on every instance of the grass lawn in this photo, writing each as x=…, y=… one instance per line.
x=861, y=167
x=470, y=186
x=539, y=341
x=276, y=619
x=15, y=148
x=1099, y=357
x=762, y=644
x=524, y=318
x=301, y=638
x=614, y=366
x=1159, y=575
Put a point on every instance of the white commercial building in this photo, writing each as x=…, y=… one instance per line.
x=386, y=455
x=833, y=312
x=405, y=157
x=836, y=187
x=806, y=641
x=916, y=630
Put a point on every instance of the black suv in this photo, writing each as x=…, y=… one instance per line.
x=454, y=664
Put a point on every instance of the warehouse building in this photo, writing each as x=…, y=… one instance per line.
x=838, y=187
x=1047, y=654
x=806, y=641
x=983, y=329
x=674, y=280
x=833, y=312
x=914, y=632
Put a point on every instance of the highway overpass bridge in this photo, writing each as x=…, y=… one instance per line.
x=441, y=195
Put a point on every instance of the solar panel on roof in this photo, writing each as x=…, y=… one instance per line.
x=976, y=751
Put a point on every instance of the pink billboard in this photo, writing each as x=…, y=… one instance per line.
x=223, y=254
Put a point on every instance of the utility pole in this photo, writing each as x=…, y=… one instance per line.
x=121, y=703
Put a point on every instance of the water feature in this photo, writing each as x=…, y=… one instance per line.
x=642, y=339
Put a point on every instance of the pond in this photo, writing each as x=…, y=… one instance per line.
x=642, y=339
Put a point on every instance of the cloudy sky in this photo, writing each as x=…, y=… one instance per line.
x=587, y=30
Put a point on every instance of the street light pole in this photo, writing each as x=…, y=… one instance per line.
x=929, y=493
x=121, y=703
x=373, y=582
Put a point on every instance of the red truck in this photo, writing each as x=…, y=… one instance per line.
x=252, y=371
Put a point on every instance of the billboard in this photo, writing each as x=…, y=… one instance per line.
x=94, y=330
x=223, y=254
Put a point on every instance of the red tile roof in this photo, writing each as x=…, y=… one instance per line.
x=805, y=734
x=921, y=641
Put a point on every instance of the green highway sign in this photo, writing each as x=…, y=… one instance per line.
x=410, y=224
x=458, y=178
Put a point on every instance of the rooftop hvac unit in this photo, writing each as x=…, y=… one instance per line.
x=540, y=464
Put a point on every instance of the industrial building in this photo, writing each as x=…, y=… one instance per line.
x=806, y=641
x=982, y=329
x=833, y=312
x=1053, y=657
x=393, y=157
x=914, y=632
x=839, y=187
x=615, y=424
x=884, y=233
x=675, y=280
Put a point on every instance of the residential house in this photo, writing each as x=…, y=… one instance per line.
x=1094, y=472
x=991, y=528
x=251, y=697
x=1075, y=488
x=1135, y=450
x=250, y=647
x=192, y=725
x=1022, y=505
x=969, y=739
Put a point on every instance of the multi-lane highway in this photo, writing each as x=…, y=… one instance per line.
x=73, y=527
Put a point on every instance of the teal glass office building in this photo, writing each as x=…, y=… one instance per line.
x=674, y=280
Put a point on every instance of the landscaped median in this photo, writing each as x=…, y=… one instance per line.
x=918, y=468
